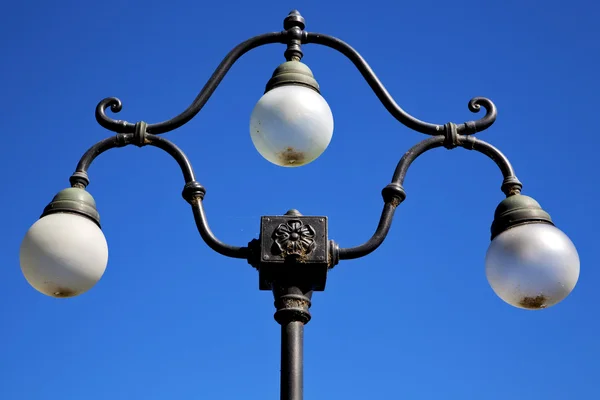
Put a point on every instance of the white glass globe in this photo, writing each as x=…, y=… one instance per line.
x=291, y=125
x=63, y=255
x=532, y=266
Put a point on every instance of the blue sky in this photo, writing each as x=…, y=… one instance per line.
x=417, y=319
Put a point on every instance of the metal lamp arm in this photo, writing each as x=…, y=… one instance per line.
x=287, y=37
x=511, y=184
x=200, y=100
x=210, y=239
x=467, y=142
x=387, y=100
x=383, y=228
x=79, y=177
x=394, y=194
x=193, y=192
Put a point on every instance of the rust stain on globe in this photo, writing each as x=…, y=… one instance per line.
x=291, y=156
x=64, y=292
x=534, y=303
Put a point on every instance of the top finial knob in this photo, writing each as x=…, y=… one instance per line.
x=294, y=19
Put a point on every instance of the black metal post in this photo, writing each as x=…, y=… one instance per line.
x=292, y=313
x=292, y=361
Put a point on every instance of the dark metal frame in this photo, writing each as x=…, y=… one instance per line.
x=293, y=252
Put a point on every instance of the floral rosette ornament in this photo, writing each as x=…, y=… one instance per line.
x=294, y=238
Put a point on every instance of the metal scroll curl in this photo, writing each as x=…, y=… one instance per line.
x=200, y=100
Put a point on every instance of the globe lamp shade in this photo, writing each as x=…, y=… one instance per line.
x=291, y=125
x=63, y=254
x=532, y=266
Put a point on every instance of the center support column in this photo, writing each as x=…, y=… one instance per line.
x=292, y=256
x=292, y=314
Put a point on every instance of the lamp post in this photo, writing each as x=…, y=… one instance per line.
x=530, y=264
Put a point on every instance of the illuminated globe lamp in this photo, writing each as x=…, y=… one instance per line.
x=292, y=124
x=530, y=263
x=65, y=253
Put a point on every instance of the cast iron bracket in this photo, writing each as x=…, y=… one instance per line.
x=293, y=249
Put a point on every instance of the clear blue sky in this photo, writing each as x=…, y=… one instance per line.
x=170, y=319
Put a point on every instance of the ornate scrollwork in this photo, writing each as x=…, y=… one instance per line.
x=388, y=101
x=475, y=104
x=200, y=100
x=294, y=237
x=107, y=122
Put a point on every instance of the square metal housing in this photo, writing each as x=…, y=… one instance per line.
x=293, y=246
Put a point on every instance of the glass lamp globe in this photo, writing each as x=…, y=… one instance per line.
x=532, y=266
x=63, y=254
x=291, y=125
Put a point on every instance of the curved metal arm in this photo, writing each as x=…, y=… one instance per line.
x=472, y=143
x=411, y=155
x=511, y=184
x=122, y=140
x=79, y=178
x=380, y=91
x=99, y=148
x=387, y=100
x=200, y=100
x=176, y=153
x=393, y=193
x=385, y=223
x=210, y=239
x=387, y=215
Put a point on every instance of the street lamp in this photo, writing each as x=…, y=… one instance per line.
x=530, y=264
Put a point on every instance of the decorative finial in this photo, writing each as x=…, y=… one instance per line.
x=294, y=19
